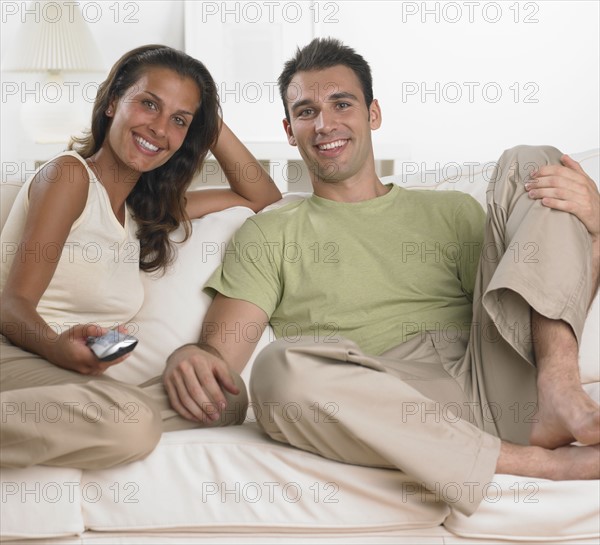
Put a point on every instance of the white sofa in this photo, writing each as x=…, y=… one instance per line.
x=235, y=485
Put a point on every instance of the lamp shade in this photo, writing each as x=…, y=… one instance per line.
x=55, y=39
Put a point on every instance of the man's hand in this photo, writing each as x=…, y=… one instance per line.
x=567, y=187
x=195, y=379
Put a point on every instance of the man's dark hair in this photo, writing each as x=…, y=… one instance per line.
x=324, y=53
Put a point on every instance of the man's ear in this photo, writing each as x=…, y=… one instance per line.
x=374, y=115
x=288, y=131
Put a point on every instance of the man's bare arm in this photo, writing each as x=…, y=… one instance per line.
x=196, y=375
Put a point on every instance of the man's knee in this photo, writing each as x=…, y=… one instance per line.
x=529, y=158
x=268, y=373
x=283, y=385
x=280, y=374
x=512, y=171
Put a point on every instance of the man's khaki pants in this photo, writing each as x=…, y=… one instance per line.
x=436, y=406
x=56, y=417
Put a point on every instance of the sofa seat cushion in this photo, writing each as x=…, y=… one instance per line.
x=237, y=479
x=525, y=509
x=42, y=502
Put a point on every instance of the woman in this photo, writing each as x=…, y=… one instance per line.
x=86, y=223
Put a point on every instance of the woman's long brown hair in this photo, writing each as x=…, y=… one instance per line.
x=158, y=199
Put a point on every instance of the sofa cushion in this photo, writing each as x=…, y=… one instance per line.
x=472, y=177
x=525, y=509
x=42, y=502
x=9, y=194
x=236, y=479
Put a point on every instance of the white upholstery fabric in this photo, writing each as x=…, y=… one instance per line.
x=237, y=479
x=41, y=502
x=9, y=194
x=519, y=508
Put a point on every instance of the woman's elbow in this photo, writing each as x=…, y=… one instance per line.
x=258, y=204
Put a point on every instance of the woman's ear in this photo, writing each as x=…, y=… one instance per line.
x=110, y=110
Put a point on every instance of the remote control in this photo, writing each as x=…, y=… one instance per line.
x=111, y=345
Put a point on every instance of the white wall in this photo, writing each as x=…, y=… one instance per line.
x=546, y=70
x=457, y=81
x=116, y=27
x=542, y=56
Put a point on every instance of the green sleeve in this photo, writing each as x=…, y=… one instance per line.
x=470, y=226
x=250, y=269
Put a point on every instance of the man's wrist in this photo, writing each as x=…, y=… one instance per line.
x=202, y=346
x=179, y=348
x=210, y=349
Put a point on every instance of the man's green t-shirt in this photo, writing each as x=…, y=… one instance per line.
x=376, y=272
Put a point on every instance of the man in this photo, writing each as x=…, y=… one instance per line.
x=334, y=276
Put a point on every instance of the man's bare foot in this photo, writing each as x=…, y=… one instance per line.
x=565, y=412
x=564, y=417
x=574, y=463
x=567, y=463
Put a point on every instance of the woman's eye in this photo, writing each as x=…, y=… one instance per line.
x=180, y=121
x=149, y=104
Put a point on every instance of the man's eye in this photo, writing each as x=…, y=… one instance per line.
x=343, y=105
x=306, y=113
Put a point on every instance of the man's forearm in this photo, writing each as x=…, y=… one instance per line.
x=223, y=330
